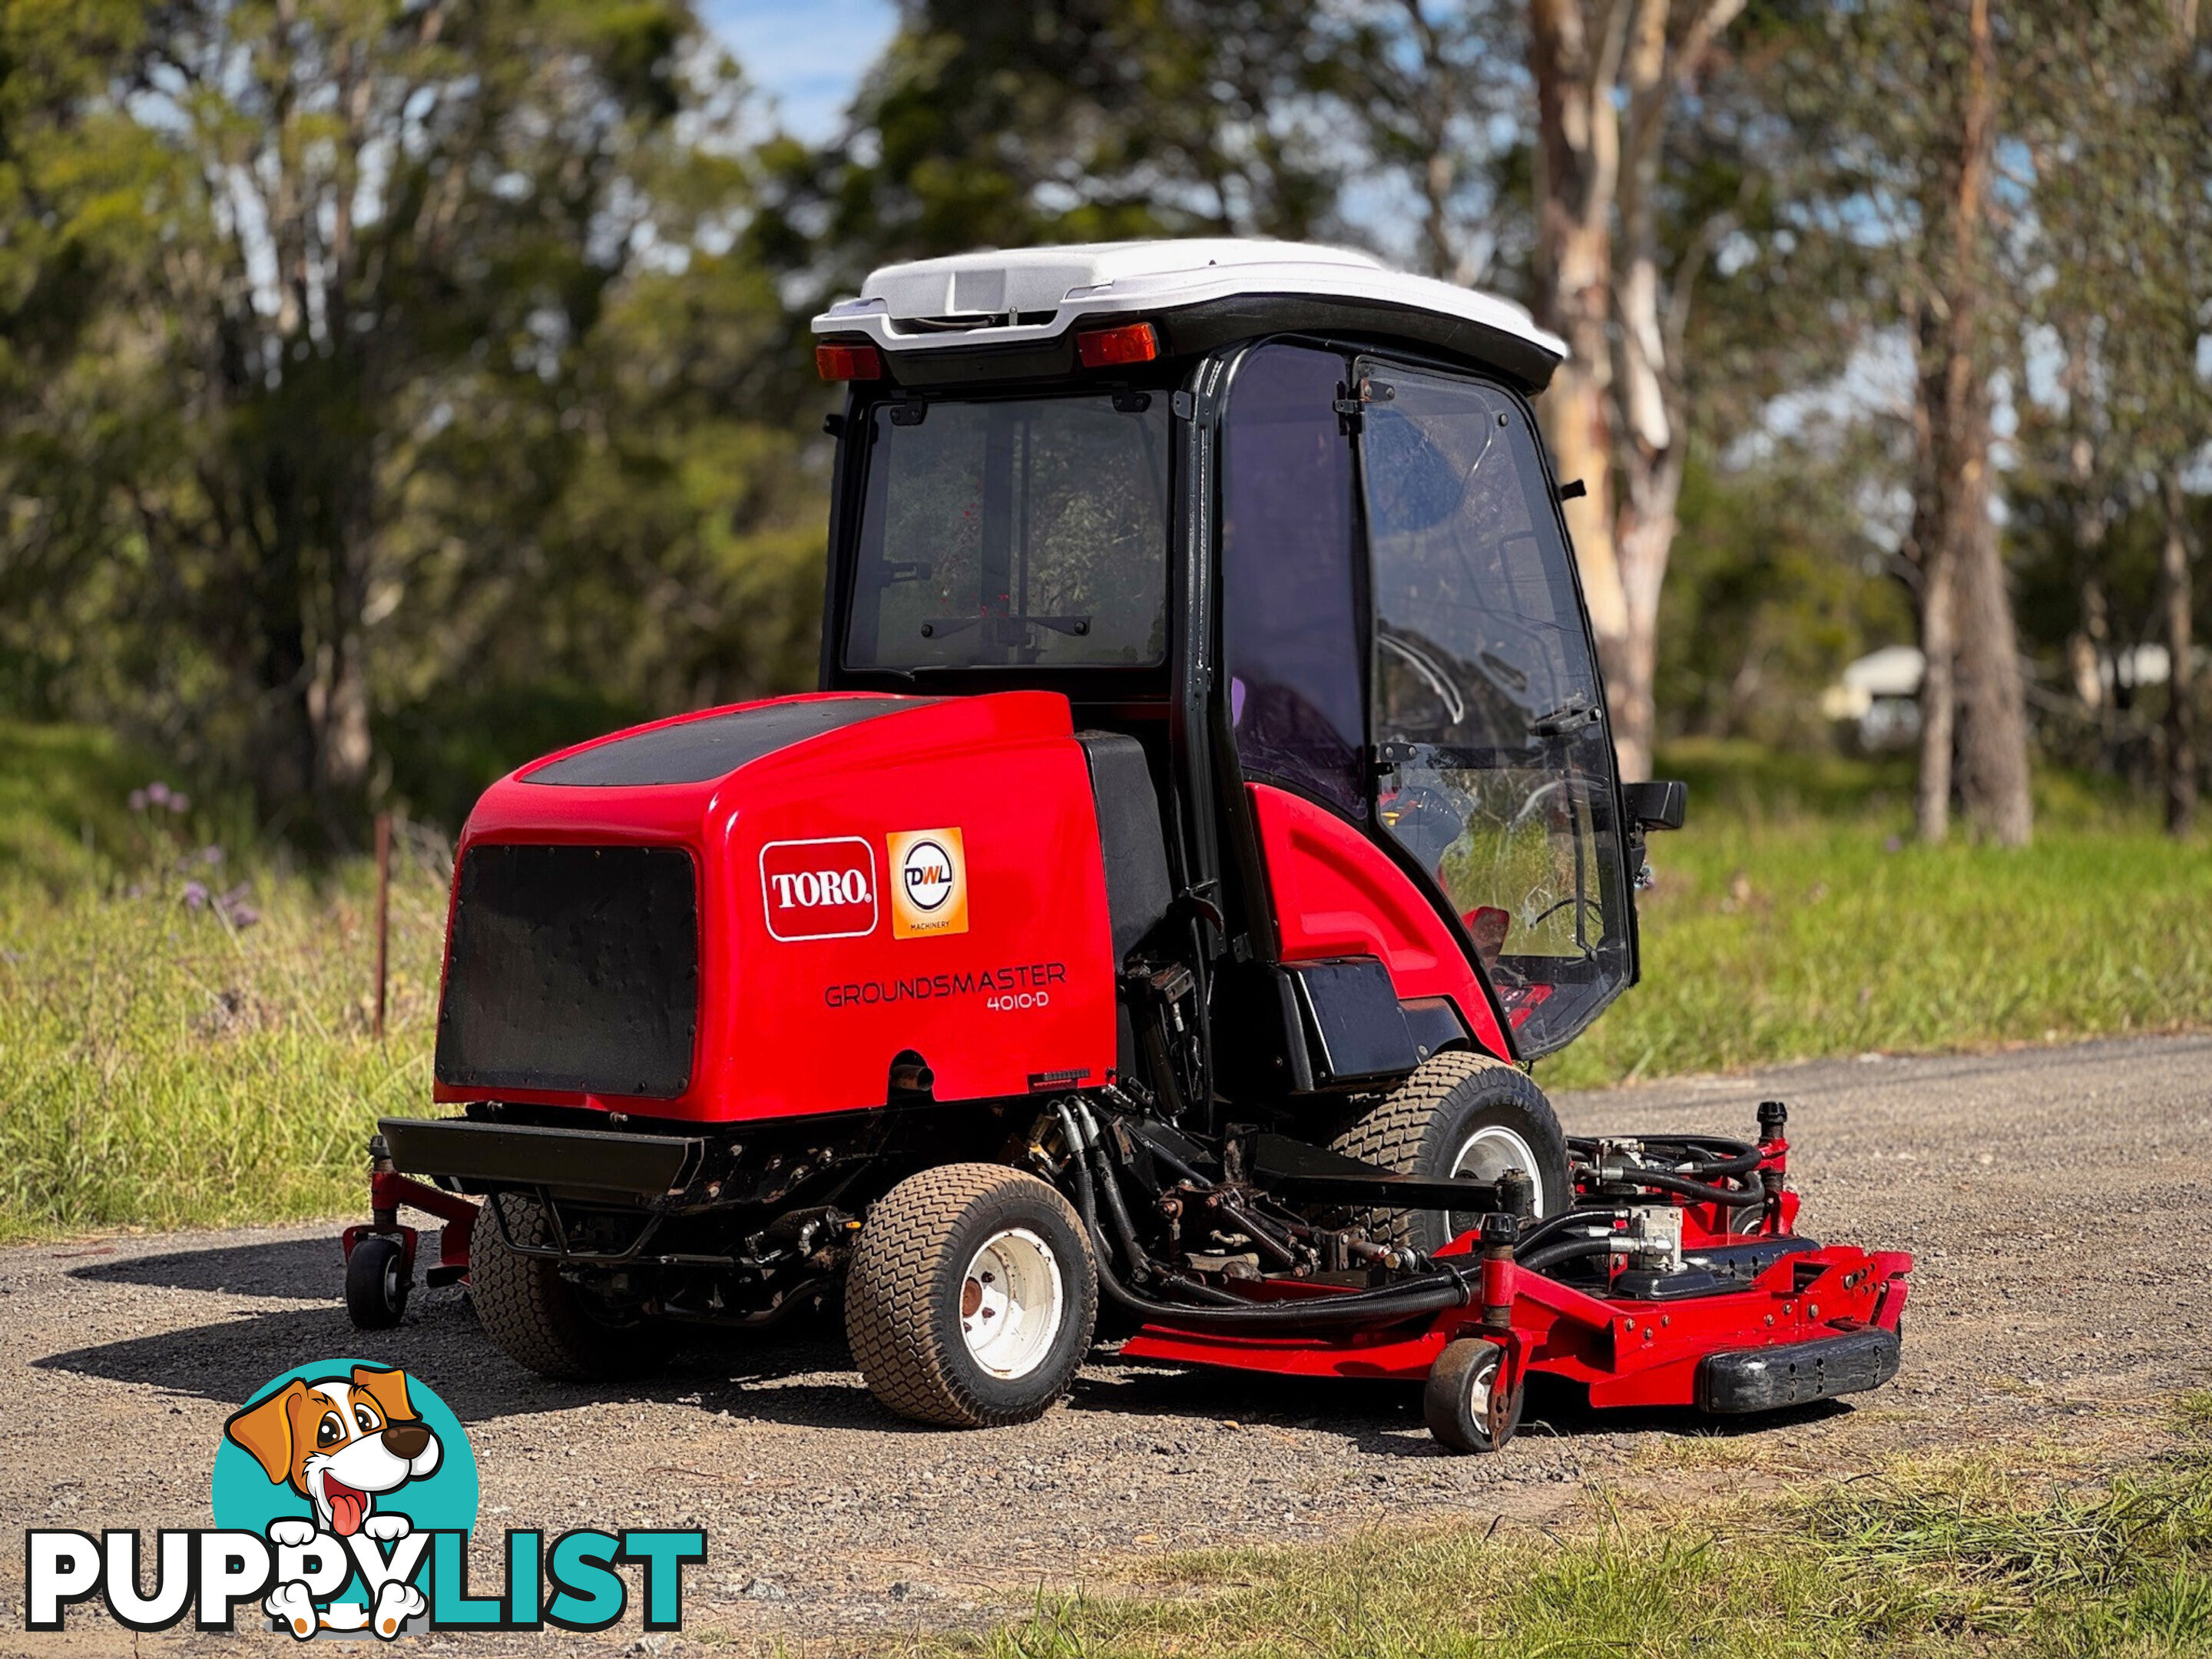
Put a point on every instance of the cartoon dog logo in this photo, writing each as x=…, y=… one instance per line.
x=340, y=1443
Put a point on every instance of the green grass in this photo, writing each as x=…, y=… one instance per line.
x=1795, y=917
x=161, y=1068
x=160, y=1065
x=1986, y=1555
x=64, y=811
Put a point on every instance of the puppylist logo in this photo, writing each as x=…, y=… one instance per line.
x=344, y=1494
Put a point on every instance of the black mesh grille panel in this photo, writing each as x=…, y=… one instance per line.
x=572, y=967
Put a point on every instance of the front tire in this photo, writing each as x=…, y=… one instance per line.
x=971, y=1298
x=538, y=1319
x=1459, y=1113
x=1461, y=1404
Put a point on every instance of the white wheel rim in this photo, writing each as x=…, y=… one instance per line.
x=1481, y=1380
x=1012, y=1300
x=1488, y=1153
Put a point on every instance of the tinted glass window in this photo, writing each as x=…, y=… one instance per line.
x=1014, y=532
x=1289, y=617
x=1498, y=766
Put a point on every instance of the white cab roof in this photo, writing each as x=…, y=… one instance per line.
x=1033, y=295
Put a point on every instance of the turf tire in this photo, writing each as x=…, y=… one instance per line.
x=1421, y=1128
x=902, y=1294
x=537, y=1317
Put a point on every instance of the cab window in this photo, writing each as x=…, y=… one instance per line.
x=1014, y=532
x=1494, y=764
x=1297, y=697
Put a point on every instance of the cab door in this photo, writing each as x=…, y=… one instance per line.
x=1494, y=762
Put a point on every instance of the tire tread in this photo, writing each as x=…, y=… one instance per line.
x=531, y=1312
x=1392, y=1133
x=889, y=1316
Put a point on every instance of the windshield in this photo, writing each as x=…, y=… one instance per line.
x=1014, y=532
x=1497, y=770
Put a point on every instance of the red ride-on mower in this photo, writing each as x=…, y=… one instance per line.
x=1208, y=810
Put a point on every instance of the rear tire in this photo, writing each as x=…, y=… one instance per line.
x=376, y=1283
x=971, y=1298
x=1459, y=1113
x=540, y=1320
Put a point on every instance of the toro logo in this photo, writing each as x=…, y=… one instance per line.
x=929, y=883
x=819, y=889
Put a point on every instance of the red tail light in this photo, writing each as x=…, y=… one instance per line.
x=848, y=362
x=1104, y=348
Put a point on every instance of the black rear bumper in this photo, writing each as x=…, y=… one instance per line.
x=1797, y=1373
x=484, y=1158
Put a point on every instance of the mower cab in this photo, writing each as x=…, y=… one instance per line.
x=1207, y=801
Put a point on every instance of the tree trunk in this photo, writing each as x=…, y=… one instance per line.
x=339, y=699
x=1647, y=428
x=1939, y=696
x=1577, y=177
x=1614, y=412
x=1648, y=526
x=1968, y=636
x=1993, y=774
x=2180, y=683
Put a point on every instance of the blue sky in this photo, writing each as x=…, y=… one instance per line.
x=807, y=54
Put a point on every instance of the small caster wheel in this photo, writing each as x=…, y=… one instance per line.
x=377, y=1283
x=1461, y=1403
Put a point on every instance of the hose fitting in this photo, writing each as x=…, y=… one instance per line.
x=1517, y=1194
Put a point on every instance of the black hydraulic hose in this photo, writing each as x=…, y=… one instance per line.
x=1742, y=1165
x=1660, y=1180
x=1086, y=1201
x=1568, y=1250
x=1118, y=1208
x=1736, y=1158
x=1449, y=1289
x=1559, y=1223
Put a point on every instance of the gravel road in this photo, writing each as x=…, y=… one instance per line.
x=2058, y=1199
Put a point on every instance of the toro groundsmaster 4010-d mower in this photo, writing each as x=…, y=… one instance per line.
x=1207, y=806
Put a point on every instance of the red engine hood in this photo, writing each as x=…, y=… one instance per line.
x=876, y=877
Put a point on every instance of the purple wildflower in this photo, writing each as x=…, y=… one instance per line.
x=158, y=793
x=138, y=800
x=196, y=896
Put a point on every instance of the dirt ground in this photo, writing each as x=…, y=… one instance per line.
x=2059, y=1202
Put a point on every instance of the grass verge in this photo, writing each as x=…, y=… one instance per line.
x=170, y=1060
x=1984, y=1555
x=1794, y=918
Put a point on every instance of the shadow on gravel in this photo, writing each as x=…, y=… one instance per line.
x=801, y=1379
x=1383, y=1420
x=296, y=1269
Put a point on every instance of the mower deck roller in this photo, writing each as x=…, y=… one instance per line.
x=1208, y=810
